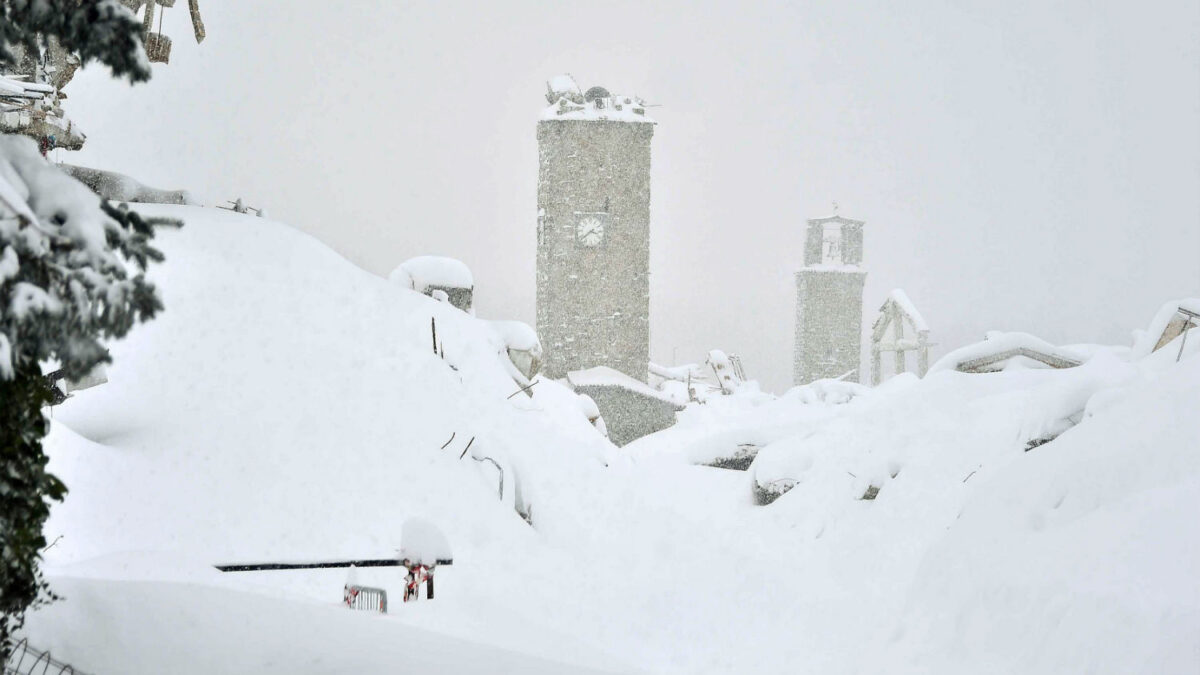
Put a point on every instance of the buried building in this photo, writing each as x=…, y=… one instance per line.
x=908, y=333
x=436, y=275
x=630, y=408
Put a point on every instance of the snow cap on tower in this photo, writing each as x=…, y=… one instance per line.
x=569, y=102
x=563, y=86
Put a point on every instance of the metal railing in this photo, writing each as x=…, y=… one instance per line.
x=25, y=660
x=365, y=597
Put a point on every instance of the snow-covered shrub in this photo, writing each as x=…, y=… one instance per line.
x=71, y=275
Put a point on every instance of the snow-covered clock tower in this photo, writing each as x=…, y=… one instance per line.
x=593, y=231
x=829, y=297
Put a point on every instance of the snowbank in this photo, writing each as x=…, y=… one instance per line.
x=832, y=391
x=287, y=405
x=186, y=629
x=1078, y=557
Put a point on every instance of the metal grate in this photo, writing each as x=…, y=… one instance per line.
x=365, y=597
x=25, y=660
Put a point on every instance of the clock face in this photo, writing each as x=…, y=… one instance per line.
x=589, y=231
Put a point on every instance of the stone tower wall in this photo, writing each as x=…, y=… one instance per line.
x=828, y=324
x=593, y=303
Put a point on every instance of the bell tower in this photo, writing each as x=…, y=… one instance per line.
x=829, y=296
x=593, y=231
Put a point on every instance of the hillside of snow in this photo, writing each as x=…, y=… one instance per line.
x=288, y=406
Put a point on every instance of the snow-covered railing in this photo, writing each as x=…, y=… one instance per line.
x=365, y=597
x=25, y=660
x=498, y=468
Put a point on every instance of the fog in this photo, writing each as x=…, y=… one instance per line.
x=1019, y=166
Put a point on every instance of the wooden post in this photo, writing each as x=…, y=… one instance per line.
x=898, y=326
x=148, y=19
x=876, y=364
x=922, y=353
x=197, y=23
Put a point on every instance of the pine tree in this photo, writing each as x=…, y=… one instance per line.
x=95, y=30
x=72, y=275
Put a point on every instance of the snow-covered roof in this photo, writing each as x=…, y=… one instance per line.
x=603, y=376
x=998, y=348
x=836, y=218
x=678, y=373
x=31, y=108
x=33, y=90
x=906, y=305
x=1147, y=341
x=430, y=270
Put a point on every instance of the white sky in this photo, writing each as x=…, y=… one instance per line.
x=1020, y=166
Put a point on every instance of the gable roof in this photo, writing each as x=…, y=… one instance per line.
x=907, y=310
x=997, y=349
x=835, y=218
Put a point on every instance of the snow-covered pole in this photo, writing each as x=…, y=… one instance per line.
x=327, y=564
x=1187, y=324
x=900, y=359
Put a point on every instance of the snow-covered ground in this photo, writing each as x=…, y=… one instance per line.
x=288, y=405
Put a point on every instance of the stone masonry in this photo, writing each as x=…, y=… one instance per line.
x=829, y=296
x=593, y=244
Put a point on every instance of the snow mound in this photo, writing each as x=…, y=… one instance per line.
x=1080, y=556
x=518, y=335
x=178, y=628
x=431, y=271
x=423, y=543
x=287, y=405
x=832, y=391
x=1010, y=348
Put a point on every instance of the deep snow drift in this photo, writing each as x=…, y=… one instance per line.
x=287, y=405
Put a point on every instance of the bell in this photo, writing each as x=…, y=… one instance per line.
x=158, y=48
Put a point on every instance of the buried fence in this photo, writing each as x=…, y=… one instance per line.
x=25, y=660
x=365, y=597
